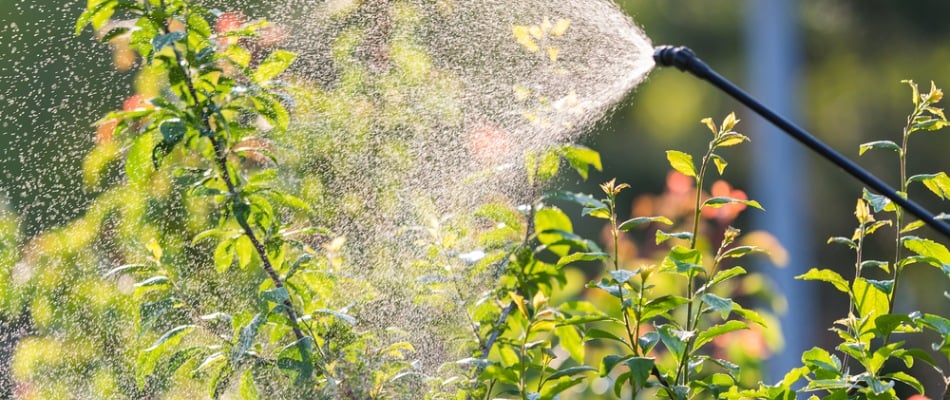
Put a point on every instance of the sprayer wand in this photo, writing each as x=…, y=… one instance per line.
x=685, y=60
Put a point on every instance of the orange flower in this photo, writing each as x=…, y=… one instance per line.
x=227, y=22
x=136, y=102
x=106, y=131
x=677, y=183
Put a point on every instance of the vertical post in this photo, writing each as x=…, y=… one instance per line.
x=780, y=174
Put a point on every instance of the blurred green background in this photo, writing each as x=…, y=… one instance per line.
x=851, y=58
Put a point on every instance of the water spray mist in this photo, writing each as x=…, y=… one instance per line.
x=685, y=60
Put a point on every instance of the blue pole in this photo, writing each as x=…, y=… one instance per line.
x=780, y=179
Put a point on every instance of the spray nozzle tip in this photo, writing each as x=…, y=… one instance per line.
x=669, y=56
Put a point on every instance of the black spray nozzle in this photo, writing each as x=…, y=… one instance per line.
x=680, y=57
x=685, y=60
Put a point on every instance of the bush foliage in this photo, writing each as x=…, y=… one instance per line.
x=208, y=266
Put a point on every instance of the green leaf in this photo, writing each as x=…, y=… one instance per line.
x=622, y=276
x=883, y=265
x=731, y=368
x=681, y=162
x=674, y=339
x=939, y=184
x=172, y=131
x=548, y=166
x=749, y=315
x=551, y=391
x=648, y=341
x=153, y=281
x=740, y=251
x=826, y=275
x=907, y=379
x=149, y=357
x=709, y=334
x=582, y=199
x=569, y=339
x=246, y=338
x=869, y=300
x=640, y=369
x=159, y=42
x=274, y=65
x=97, y=13
x=662, y=236
x=596, y=212
x=877, y=386
x=724, y=275
x=294, y=360
x=929, y=124
x=888, y=323
x=886, y=286
x=244, y=250
x=247, y=388
x=210, y=361
x=224, y=255
x=939, y=324
x=151, y=312
x=577, y=257
x=335, y=314
x=608, y=363
x=114, y=33
x=819, y=360
x=683, y=260
x=552, y=219
x=238, y=55
x=731, y=139
x=927, y=248
x=880, y=144
x=138, y=164
x=842, y=240
x=913, y=226
x=721, y=305
x=878, y=202
x=127, y=268
x=272, y=110
x=595, y=333
x=716, y=202
x=219, y=382
x=276, y=295
x=579, y=369
x=206, y=234
x=581, y=159
x=660, y=306
x=635, y=222
x=164, y=371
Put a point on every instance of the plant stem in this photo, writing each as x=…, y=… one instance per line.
x=899, y=213
x=682, y=375
x=615, y=232
x=221, y=162
x=852, y=312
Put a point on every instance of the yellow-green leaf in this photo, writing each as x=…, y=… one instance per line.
x=681, y=162
x=939, y=183
x=523, y=36
x=826, y=275
x=138, y=164
x=879, y=144
x=869, y=300
x=560, y=26
x=274, y=65
x=244, y=250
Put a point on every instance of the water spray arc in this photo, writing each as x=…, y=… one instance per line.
x=685, y=60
